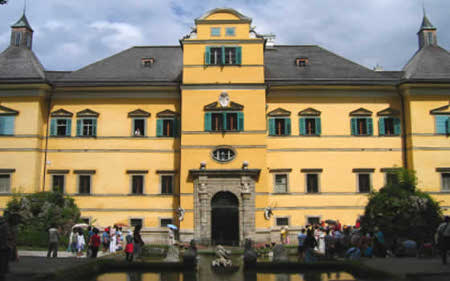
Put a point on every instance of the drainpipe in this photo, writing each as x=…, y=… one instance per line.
x=49, y=103
x=404, y=135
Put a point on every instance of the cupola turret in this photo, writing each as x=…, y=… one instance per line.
x=427, y=33
x=22, y=33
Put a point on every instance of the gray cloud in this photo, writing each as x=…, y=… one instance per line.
x=72, y=34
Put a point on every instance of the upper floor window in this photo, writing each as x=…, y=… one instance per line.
x=137, y=184
x=58, y=183
x=445, y=178
x=84, y=184
x=167, y=124
x=363, y=179
x=138, y=122
x=389, y=126
x=223, y=55
x=215, y=31
x=18, y=38
x=147, y=62
x=362, y=126
x=87, y=123
x=279, y=122
x=442, y=119
x=312, y=183
x=223, y=154
x=230, y=31
x=224, y=121
x=60, y=126
x=310, y=126
x=7, y=119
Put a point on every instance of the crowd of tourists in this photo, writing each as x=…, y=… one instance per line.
x=88, y=242
x=332, y=239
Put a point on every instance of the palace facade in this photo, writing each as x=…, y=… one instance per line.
x=227, y=135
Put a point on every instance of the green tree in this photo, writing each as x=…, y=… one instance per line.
x=38, y=211
x=400, y=210
x=3, y=2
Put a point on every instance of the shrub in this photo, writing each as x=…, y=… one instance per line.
x=38, y=211
x=400, y=210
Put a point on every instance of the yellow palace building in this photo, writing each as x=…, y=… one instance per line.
x=227, y=135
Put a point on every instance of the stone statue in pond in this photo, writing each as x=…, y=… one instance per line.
x=250, y=255
x=223, y=257
x=190, y=255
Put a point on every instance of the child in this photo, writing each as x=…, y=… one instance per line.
x=129, y=248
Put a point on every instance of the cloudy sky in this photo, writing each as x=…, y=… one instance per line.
x=72, y=34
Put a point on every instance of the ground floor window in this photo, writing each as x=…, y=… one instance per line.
x=84, y=184
x=391, y=178
x=363, y=183
x=5, y=183
x=165, y=222
x=313, y=220
x=445, y=177
x=86, y=220
x=135, y=222
x=58, y=182
x=282, y=221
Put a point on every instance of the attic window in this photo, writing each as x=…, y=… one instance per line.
x=147, y=62
x=301, y=62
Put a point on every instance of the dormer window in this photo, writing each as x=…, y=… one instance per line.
x=147, y=62
x=301, y=62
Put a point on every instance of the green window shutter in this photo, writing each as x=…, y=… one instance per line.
x=79, y=127
x=159, y=127
x=94, y=127
x=287, y=127
x=7, y=125
x=354, y=126
x=224, y=121
x=178, y=126
x=397, y=126
x=53, y=127
x=207, y=121
x=238, y=55
x=2, y=125
x=271, y=126
x=369, y=124
x=301, y=126
x=69, y=127
x=318, y=126
x=381, y=129
x=448, y=125
x=208, y=55
x=441, y=124
x=223, y=55
x=240, y=121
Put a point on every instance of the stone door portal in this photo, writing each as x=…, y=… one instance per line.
x=225, y=219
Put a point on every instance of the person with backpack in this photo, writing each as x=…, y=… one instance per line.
x=443, y=232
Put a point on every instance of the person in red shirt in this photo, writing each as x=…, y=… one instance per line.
x=95, y=243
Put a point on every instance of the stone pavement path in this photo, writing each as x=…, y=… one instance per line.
x=424, y=269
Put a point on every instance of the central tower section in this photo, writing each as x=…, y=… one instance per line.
x=223, y=147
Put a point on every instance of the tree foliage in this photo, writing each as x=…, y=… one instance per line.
x=3, y=2
x=38, y=211
x=400, y=210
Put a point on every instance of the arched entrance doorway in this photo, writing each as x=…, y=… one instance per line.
x=225, y=219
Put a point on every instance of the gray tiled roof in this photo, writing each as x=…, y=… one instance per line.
x=20, y=63
x=126, y=67
x=430, y=62
x=323, y=67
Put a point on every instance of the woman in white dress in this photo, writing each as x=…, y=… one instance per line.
x=321, y=242
x=113, y=241
x=80, y=243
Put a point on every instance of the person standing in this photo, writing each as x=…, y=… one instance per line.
x=113, y=239
x=53, y=239
x=94, y=243
x=4, y=250
x=81, y=242
x=443, y=232
x=129, y=248
x=301, y=241
x=137, y=240
x=309, y=244
x=105, y=239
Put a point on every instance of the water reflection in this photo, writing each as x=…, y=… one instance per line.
x=206, y=274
